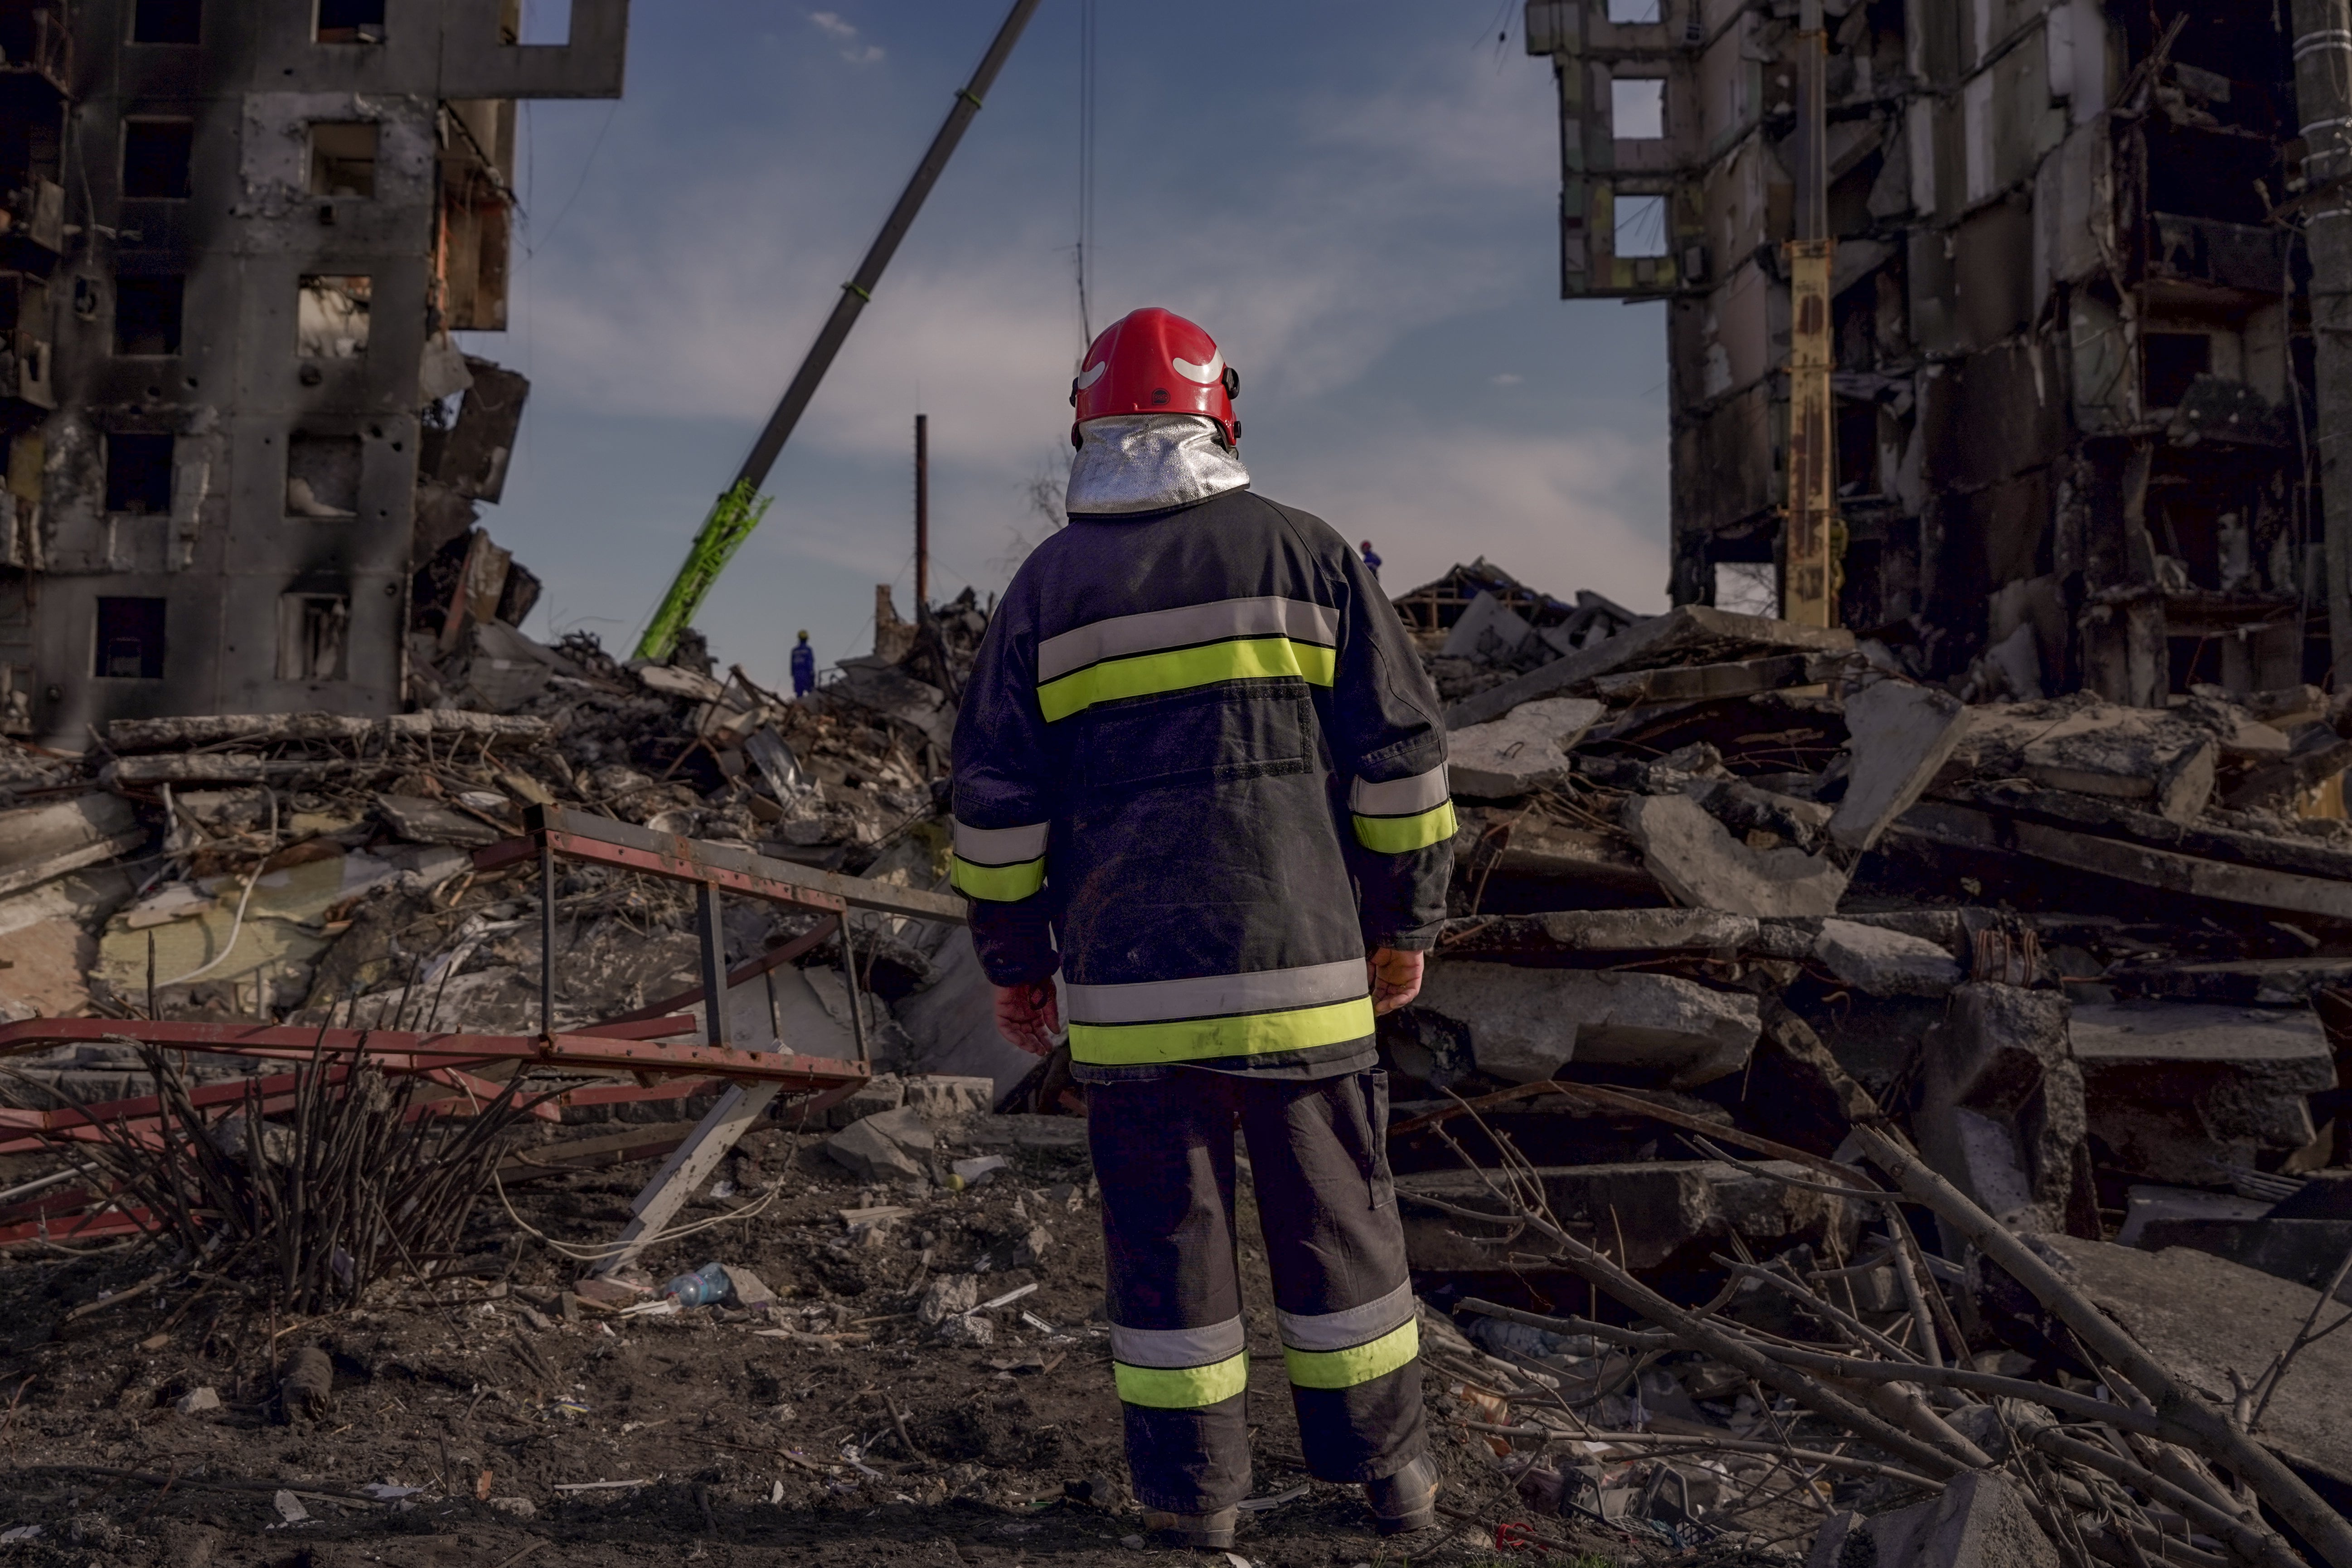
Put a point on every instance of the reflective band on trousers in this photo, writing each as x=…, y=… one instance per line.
x=1348, y=1325
x=1185, y=626
x=1204, y=1039
x=1181, y=670
x=1403, y=835
x=1002, y=864
x=1180, y=1369
x=1358, y=1364
x=1182, y=1388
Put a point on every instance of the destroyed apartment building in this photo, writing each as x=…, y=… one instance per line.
x=239, y=239
x=2069, y=433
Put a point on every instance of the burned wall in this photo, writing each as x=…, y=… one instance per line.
x=275, y=227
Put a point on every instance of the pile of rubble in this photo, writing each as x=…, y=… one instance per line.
x=1730, y=887
x=1835, y=1112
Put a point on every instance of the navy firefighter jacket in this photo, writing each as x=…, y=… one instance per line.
x=1200, y=769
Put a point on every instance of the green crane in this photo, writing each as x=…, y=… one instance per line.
x=740, y=506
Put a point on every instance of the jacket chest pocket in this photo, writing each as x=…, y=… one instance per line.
x=1227, y=733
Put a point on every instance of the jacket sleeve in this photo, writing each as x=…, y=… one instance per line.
x=1388, y=745
x=1005, y=802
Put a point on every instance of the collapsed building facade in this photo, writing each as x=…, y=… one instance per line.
x=2068, y=330
x=237, y=240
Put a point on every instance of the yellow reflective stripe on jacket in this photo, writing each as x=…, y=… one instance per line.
x=998, y=884
x=1181, y=670
x=1403, y=835
x=1198, y=1039
x=1358, y=1364
x=1182, y=1388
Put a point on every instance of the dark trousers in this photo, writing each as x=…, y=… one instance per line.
x=1163, y=1151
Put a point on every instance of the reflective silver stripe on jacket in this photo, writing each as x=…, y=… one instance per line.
x=1216, y=995
x=1348, y=1326
x=1187, y=625
x=1000, y=845
x=1399, y=798
x=1178, y=1347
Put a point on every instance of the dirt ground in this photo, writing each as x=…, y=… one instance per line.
x=739, y=1439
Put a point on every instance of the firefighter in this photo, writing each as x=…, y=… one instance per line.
x=1200, y=773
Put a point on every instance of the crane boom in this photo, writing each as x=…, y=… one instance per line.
x=740, y=506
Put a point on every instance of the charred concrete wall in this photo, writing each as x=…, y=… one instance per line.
x=2070, y=320
x=240, y=236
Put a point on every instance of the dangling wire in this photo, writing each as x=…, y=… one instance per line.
x=1086, y=170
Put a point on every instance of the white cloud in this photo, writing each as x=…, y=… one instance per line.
x=1557, y=512
x=1507, y=379
x=832, y=26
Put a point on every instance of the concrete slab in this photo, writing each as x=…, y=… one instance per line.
x=1672, y=1214
x=1886, y=962
x=1525, y=1024
x=2174, y=1301
x=1525, y=749
x=1694, y=859
x=2180, y=1092
x=2000, y=1106
x=1901, y=734
x=1649, y=930
x=1980, y=1522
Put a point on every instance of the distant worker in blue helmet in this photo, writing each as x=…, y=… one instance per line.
x=1201, y=776
x=804, y=667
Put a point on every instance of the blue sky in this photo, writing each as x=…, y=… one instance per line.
x=1357, y=199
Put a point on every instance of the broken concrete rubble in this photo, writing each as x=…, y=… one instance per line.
x=1526, y=1025
x=2000, y=1111
x=1523, y=750
x=1980, y=1523
x=1886, y=962
x=2184, y=1093
x=1695, y=858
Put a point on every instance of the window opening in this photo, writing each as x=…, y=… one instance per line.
x=1748, y=587
x=351, y=22
x=129, y=640
x=166, y=21
x=332, y=316
x=147, y=315
x=543, y=24
x=313, y=631
x=323, y=476
x=342, y=158
x=155, y=158
x=1635, y=12
x=1637, y=108
x=1641, y=226
x=2173, y=361
x=138, y=472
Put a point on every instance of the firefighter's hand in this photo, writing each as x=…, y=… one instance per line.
x=1029, y=1016
x=1396, y=979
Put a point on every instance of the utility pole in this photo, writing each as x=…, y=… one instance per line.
x=922, y=513
x=1808, y=565
x=2323, y=97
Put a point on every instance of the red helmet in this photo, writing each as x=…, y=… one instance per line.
x=1156, y=361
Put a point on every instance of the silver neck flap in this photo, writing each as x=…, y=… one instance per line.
x=1150, y=462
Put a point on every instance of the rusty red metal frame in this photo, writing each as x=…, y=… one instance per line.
x=402, y=1050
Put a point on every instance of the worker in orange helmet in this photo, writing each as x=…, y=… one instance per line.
x=1200, y=774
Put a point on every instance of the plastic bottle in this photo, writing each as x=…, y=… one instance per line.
x=707, y=1286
